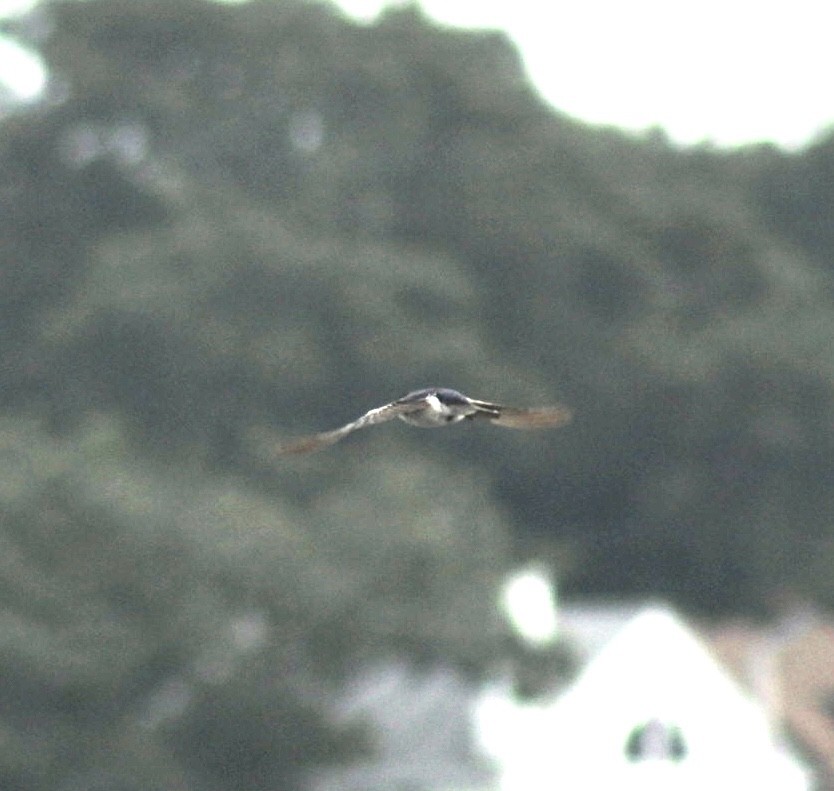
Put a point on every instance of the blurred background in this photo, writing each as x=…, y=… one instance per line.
x=225, y=225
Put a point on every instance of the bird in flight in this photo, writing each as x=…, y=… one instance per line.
x=434, y=407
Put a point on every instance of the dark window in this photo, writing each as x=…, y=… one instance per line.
x=655, y=740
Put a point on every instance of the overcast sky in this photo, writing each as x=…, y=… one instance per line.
x=725, y=71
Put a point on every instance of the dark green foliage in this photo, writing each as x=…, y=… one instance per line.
x=233, y=224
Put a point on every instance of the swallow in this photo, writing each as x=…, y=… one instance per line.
x=434, y=407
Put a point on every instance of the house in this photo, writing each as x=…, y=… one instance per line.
x=652, y=708
x=420, y=726
x=790, y=667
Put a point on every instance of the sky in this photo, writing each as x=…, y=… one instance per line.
x=727, y=72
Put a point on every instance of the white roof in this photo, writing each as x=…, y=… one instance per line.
x=653, y=669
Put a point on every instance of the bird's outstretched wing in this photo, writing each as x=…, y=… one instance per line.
x=515, y=417
x=381, y=414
